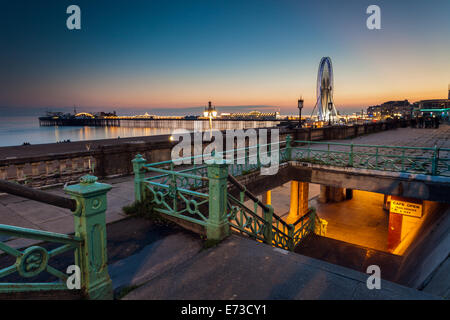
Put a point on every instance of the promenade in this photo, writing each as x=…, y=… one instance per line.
x=21, y=212
x=69, y=147
x=31, y=214
x=405, y=137
x=173, y=266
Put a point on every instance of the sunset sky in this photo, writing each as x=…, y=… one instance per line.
x=176, y=54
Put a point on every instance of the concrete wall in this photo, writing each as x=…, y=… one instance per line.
x=427, y=252
x=411, y=226
x=344, y=132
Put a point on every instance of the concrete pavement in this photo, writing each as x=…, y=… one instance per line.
x=21, y=212
x=406, y=137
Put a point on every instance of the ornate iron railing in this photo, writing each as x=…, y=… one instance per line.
x=173, y=200
x=304, y=226
x=419, y=160
x=175, y=193
x=264, y=229
x=88, y=204
x=33, y=260
x=266, y=226
x=198, y=194
x=245, y=220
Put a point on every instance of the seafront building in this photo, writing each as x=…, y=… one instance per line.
x=404, y=109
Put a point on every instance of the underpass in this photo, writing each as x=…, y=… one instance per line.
x=355, y=200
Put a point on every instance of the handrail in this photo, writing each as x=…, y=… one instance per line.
x=306, y=215
x=177, y=173
x=243, y=206
x=242, y=188
x=38, y=195
x=211, y=154
x=360, y=145
x=249, y=211
x=40, y=234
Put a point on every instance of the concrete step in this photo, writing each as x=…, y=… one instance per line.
x=349, y=255
x=154, y=259
x=240, y=268
x=138, y=249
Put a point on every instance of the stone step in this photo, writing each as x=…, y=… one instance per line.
x=240, y=268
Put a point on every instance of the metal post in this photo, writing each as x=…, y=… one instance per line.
x=309, y=149
x=138, y=163
x=403, y=160
x=289, y=148
x=350, y=158
x=434, y=165
x=313, y=218
x=217, y=227
x=300, y=107
x=376, y=158
x=268, y=217
x=90, y=225
x=328, y=154
x=291, y=231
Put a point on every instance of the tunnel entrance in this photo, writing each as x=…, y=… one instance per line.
x=360, y=220
x=361, y=228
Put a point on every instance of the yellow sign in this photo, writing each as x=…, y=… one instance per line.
x=406, y=208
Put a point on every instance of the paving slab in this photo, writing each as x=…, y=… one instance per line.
x=37, y=214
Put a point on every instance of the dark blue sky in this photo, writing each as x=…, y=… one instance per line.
x=157, y=54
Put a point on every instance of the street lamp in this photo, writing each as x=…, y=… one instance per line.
x=330, y=107
x=300, y=107
x=211, y=113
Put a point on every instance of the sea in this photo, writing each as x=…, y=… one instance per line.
x=21, y=125
x=17, y=130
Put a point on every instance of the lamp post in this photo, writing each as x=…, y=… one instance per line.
x=300, y=107
x=330, y=107
x=211, y=113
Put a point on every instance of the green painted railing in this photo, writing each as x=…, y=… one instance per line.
x=199, y=194
x=419, y=160
x=88, y=245
x=260, y=221
x=304, y=225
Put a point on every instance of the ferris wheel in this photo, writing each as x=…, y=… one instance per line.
x=326, y=110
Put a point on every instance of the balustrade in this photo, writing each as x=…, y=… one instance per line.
x=88, y=204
